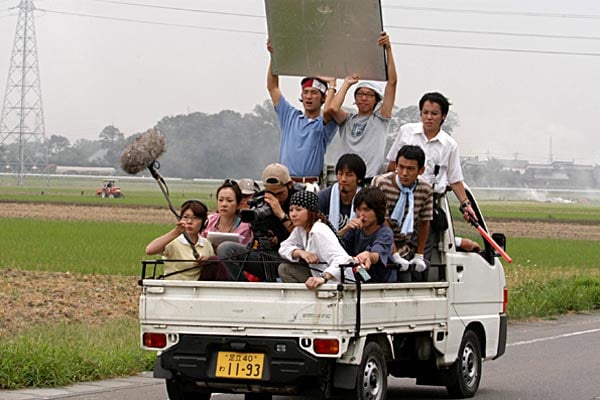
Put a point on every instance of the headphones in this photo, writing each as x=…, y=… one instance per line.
x=205, y=208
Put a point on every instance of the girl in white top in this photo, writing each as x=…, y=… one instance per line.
x=314, y=242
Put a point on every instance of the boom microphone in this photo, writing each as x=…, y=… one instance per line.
x=143, y=152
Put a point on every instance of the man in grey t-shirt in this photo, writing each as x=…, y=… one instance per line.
x=364, y=132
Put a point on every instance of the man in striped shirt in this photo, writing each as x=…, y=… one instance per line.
x=409, y=207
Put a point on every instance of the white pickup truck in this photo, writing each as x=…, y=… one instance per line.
x=261, y=339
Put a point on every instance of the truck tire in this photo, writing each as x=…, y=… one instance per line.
x=465, y=373
x=371, y=381
x=179, y=390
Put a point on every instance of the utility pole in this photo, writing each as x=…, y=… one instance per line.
x=22, y=132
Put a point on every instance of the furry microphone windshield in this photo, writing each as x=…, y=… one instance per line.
x=143, y=151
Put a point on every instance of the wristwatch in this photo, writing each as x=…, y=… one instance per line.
x=284, y=218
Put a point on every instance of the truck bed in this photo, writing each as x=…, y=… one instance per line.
x=289, y=309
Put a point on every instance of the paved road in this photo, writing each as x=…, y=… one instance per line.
x=549, y=360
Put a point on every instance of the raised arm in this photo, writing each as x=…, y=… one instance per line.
x=389, y=94
x=333, y=108
x=272, y=80
x=158, y=245
x=329, y=97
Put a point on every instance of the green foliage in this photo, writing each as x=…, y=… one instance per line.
x=538, y=298
x=76, y=246
x=524, y=210
x=58, y=355
x=550, y=253
x=220, y=145
x=552, y=276
x=77, y=190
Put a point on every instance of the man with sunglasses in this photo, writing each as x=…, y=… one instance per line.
x=261, y=258
x=364, y=132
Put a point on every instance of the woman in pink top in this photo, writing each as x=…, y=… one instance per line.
x=226, y=219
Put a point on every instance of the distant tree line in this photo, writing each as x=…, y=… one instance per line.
x=200, y=145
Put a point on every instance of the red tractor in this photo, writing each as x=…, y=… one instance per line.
x=109, y=189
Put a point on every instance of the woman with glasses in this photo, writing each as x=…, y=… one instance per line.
x=227, y=219
x=184, y=244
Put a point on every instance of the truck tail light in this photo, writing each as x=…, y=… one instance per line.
x=326, y=346
x=505, y=300
x=155, y=340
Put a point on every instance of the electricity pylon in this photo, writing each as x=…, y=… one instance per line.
x=22, y=131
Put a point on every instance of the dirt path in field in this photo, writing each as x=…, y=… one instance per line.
x=534, y=229
x=30, y=298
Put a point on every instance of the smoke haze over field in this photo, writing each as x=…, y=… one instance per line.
x=512, y=101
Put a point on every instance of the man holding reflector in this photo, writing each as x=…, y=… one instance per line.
x=305, y=134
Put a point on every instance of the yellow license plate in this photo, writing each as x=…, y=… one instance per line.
x=240, y=365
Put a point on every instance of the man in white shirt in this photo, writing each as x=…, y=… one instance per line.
x=440, y=149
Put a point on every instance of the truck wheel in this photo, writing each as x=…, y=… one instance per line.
x=371, y=382
x=465, y=373
x=179, y=390
x=111, y=196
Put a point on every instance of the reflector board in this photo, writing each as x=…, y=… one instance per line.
x=326, y=37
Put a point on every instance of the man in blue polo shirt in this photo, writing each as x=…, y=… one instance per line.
x=305, y=134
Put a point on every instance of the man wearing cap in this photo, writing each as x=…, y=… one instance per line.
x=248, y=187
x=279, y=188
x=305, y=134
x=365, y=131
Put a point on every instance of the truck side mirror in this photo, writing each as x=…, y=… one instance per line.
x=500, y=239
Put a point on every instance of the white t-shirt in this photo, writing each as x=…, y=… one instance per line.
x=323, y=242
x=441, y=150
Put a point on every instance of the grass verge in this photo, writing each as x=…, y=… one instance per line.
x=545, y=298
x=63, y=354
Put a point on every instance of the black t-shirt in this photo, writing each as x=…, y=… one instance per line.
x=324, y=197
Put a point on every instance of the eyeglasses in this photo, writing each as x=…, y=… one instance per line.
x=190, y=218
x=229, y=182
x=364, y=94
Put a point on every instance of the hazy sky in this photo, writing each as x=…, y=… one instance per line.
x=97, y=72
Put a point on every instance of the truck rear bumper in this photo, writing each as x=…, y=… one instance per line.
x=286, y=366
x=502, y=335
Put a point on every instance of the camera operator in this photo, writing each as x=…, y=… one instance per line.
x=270, y=223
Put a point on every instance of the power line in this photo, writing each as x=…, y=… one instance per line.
x=179, y=8
x=547, y=36
x=140, y=21
x=538, y=35
x=474, y=48
x=444, y=46
x=496, y=12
